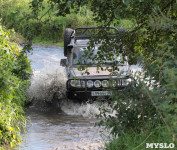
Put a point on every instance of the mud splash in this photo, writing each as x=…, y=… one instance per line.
x=48, y=87
x=47, y=84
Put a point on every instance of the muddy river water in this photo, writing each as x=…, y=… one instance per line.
x=55, y=123
x=56, y=130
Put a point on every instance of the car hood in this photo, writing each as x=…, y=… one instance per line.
x=123, y=71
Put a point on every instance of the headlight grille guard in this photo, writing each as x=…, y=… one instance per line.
x=120, y=83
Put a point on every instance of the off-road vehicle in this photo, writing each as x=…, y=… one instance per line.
x=82, y=86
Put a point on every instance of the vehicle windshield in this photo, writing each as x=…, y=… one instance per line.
x=79, y=57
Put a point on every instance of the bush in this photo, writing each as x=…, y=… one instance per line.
x=144, y=114
x=15, y=71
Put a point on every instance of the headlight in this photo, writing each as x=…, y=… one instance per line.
x=75, y=83
x=113, y=83
x=126, y=82
x=83, y=84
x=119, y=83
x=89, y=83
x=105, y=83
x=97, y=83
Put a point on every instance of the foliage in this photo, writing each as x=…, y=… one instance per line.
x=47, y=26
x=142, y=110
x=14, y=74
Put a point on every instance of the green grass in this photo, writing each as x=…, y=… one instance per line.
x=137, y=141
x=60, y=44
x=38, y=40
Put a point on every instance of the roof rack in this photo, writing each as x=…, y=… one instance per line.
x=83, y=34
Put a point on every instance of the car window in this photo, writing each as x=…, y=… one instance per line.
x=78, y=58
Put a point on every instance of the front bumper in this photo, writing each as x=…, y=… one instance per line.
x=81, y=95
x=85, y=93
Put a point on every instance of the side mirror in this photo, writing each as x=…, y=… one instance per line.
x=70, y=46
x=63, y=62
